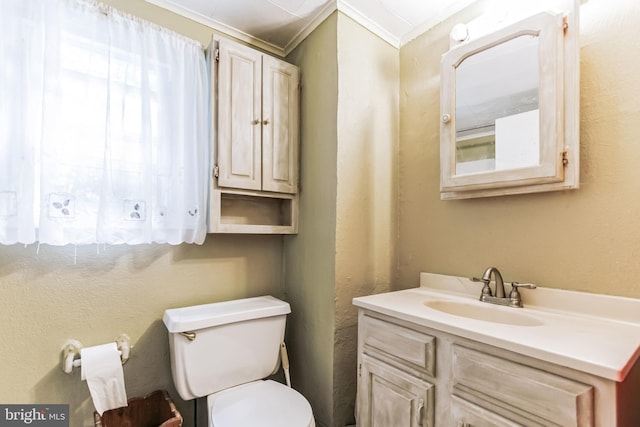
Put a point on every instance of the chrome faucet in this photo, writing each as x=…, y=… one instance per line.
x=499, y=296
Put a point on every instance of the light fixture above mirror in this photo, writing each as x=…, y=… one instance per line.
x=510, y=107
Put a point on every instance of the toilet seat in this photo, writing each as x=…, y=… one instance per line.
x=259, y=403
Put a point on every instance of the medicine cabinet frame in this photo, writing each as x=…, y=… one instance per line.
x=558, y=103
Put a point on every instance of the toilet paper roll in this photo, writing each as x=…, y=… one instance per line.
x=102, y=369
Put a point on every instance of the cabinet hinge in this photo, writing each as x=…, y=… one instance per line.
x=359, y=369
x=565, y=157
x=216, y=171
x=217, y=55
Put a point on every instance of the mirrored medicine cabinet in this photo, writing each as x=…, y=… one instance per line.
x=510, y=110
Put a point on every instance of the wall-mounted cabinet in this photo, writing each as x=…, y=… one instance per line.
x=255, y=141
x=510, y=108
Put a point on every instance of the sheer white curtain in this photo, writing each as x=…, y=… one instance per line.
x=103, y=127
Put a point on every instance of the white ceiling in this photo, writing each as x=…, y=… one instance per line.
x=280, y=25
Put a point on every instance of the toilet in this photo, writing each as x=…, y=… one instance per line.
x=225, y=351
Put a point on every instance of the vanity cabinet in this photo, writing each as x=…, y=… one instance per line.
x=255, y=141
x=410, y=374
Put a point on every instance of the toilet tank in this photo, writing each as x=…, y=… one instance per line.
x=234, y=342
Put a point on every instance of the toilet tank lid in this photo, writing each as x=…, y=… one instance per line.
x=219, y=313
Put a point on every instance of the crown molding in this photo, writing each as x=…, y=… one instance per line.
x=309, y=28
x=218, y=26
x=341, y=5
x=368, y=23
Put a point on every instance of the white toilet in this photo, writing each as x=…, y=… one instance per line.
x=224, y=351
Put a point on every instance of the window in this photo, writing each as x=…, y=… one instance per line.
x=103, y=127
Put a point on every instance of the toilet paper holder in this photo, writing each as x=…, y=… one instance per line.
x=71, y=352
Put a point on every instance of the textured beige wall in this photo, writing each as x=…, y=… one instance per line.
x=310, y=256
x=345, y=247
x=588, y=239
x=47, y=298
x=368, y=122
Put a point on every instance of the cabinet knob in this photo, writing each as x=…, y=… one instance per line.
x=446, y=118
x=255, y=122
x=265, y=122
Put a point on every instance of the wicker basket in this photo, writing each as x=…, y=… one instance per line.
x=154, y=410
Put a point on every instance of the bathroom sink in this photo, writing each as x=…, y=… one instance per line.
x=487, y=313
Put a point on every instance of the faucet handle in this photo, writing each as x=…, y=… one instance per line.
x=514, y=295
x=517, y=285
x=486, y=289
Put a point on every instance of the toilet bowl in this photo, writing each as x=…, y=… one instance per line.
x=225, y=351
x=260, y=403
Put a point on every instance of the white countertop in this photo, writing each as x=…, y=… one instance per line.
x=597, y=334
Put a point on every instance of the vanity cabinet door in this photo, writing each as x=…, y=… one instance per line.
x=530, y=396
x=388, y=397
x=465, y=414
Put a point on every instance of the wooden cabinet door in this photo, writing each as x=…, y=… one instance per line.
x=280, y=106
x=388, y=397
x=239, y=116
x=529, y=396
x=465, y=414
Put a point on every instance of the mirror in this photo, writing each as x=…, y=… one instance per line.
x=510, y=110
x=497, y=114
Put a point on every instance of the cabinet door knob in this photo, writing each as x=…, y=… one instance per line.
x=446, y=118
x=265, y=122
x=255, y=122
